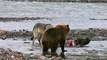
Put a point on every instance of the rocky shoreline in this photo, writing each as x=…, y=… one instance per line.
x=8, y=54
x=92, y=33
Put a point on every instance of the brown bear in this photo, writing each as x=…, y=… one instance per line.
x=54, y=36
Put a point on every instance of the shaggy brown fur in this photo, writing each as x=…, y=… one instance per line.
x=54, y=36
x=38, y=30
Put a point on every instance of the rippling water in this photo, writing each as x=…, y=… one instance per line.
x=71, y=11
x=77, y=15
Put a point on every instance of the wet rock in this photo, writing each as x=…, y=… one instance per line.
x=26, y=42
x=32, y=56
x=24, y=39
x=43, y=57
x=15, y=39
x=48, y=56
x=30, y=49
x=3, y=34
x=54, y=58
x=11, y=55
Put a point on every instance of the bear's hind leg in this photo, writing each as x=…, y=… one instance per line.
x=53, y=50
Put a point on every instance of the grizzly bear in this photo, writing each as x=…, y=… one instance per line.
x=54, y=36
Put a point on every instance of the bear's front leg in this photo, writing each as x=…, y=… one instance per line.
x=62, y=45
x=62, y=48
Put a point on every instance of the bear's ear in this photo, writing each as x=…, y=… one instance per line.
x=67, y=25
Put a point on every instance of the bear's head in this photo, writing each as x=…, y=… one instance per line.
x=63, y=27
